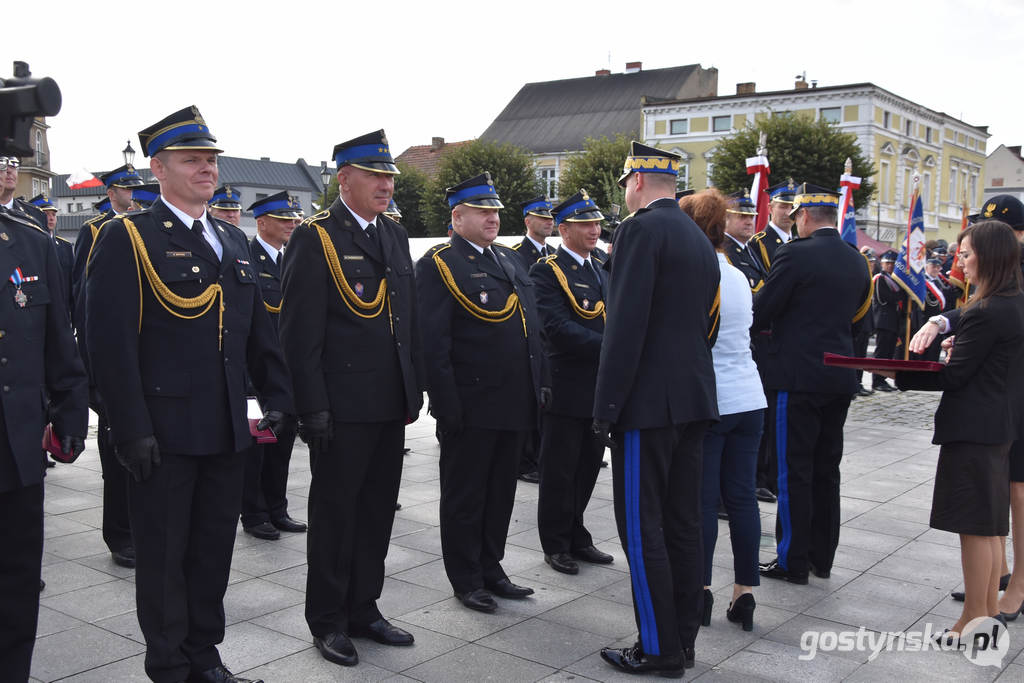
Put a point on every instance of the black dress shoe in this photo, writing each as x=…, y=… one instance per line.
x=125, y=557
x=820, y=573
x=478, y=599
x=864, y=392
x=709, y=603
x=405, y=451
x=689, y=658
x=562, y=562
x=219, y=674
x=723, y=514
x=741, y=611
x=42, y=585
x=266, y=531
x=337, y=648
x=530, y=477
x=765, y=496
x=772, y=570
x=633, y=660
x=286, y=523
x=604, y=463
x=1004, y=581
x=507, y=589
x=383, y=631
x=398, y=506
x=1004, y=616
x=884, y=386
x=592, y=555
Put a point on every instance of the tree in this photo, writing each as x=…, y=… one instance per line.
x=798, y=147
x=597, y=170
x=332, y=194
x=511, y=170
x=410, y=186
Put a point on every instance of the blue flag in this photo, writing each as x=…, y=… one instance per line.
x=847, y=220
x=909, y=272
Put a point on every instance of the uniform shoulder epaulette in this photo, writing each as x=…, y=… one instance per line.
x=495, y=245
x=64, y=240
x=436, y=248
x=550, y=257
x=94, y=219
x=516, y=248
x=132, y=214
x=319, y=215
x=22, y=219
x=757, y=236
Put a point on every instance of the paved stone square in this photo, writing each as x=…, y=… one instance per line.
x=892, y=573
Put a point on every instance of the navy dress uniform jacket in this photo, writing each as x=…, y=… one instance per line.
x=339, y=361
x=818, y=288
x=268, y=274
x=155, y=370
x=66, y=261
x=37, y=353
x=480, y=373
x=762, y=247
x=740, y=258
x=572, y=342
x=887, y=310
x=656, y=307
x=529, y=253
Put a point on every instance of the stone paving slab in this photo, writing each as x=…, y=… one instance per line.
x=892, y=573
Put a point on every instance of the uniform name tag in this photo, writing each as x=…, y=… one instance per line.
x=581, y=284
x=352, y=257
x=478, y=274
x=266, y=275
x=179, y=254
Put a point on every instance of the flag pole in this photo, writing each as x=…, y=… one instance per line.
x=913, y=203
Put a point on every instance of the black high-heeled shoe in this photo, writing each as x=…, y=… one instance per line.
x=1011, y=616
x=709, y=602
x=741, y=610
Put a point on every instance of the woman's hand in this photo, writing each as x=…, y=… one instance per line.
x=924, y=338
x=947, y=344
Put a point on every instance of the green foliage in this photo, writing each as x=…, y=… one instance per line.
x=332, y=194
x=410, y=186
x=597, y=170
x=511, y=170
x=798, y=147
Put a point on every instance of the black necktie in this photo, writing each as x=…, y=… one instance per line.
x=594, y=277
x=491, y=254
x=277, y=259
x=197, y=228
x=371, y=232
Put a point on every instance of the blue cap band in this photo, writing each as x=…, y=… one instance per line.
x=363, y=153
x=270, y=207
x=472, y=192
x=123, y=175
x=158, y=142
x=572, y=209
x=536, y=205
x=145, y=195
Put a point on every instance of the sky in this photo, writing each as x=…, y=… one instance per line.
x=290, y=80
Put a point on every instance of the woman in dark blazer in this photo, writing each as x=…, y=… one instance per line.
x=975, y=423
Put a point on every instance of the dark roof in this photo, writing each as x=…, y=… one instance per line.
x=426, y=157
x=557, y=116
x=297, y=175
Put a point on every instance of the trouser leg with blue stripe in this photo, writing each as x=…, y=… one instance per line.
x=657, y=480
x=809, y=441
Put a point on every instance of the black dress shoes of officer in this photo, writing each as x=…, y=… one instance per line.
x=532, y=477
x=478, y=599
x=633, y=660
x=765, y=496
x=219, y=674
x=337, y=648
x=383, y=631
x=772, y=570
x=863, y=391
x=562, y=562
x=266, y=531
x=286, y=523
x=884, y=386
x=507, y=589
x=125, y=557
x=592, y=555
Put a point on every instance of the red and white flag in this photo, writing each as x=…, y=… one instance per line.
x=758, y=167
x=82, y=179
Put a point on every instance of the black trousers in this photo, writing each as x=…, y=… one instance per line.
x=265, y=493
x=351, y=511
x=569, y=462
x=767, y=466
x=809, y=441
x=20, y=565
x=478, y=489
x=656, y=475
x=117, y=528
x=529, y=459
x=860, y=350
x=885, y=347
x=184, y=520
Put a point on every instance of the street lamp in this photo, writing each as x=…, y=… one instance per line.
x=325, y=178
x=129, y=154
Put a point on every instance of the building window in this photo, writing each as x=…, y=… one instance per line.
x=973, y=188
x=886, y=119
x=721, y=124
x=39, y=149
x=81, y=206
x=928, y=134
x=952, y=183
x=679, y=126
x=926, y=189
x=830, y=114
x=710, y=170
x=683, y=179
x=883, y=182
x=907, y=127
x=550, y=180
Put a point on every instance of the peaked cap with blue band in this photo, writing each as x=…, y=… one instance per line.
x=226, y=198
x=644, y=159
x=184, y=129
x=145, y=195
x=579, y=208
x=741, y=203
x=392, y=210
x=369, y=152
x=477, y=192
x=102, y=205
x=278, y=205
x=809, y=196
x=42, y=202
x=538, y=206
x=123, y=176
x=782, y=192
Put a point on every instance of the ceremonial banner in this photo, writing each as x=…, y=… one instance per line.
x=758, y=167
x=847, y=222
x=82, y=179
x=909, y=272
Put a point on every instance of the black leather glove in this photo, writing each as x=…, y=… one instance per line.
x=277, y=421
x=545, y=397
x=315, y=430
x=450, y=425
x=73, y=445
x=602, y=432
x=139, y=456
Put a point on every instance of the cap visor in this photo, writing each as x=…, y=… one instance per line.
x=287, y=215
x=623, y=177
x=377, y=167
x=741, y=213
x=585, y=217
x=187, y=145
x=543, y=213
x=227, y=207
x=483, y=203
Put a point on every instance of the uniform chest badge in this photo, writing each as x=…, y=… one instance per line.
x=168, y=224
x=358, y=289
x=586, y=304
x=4, y=237
x=483, y=297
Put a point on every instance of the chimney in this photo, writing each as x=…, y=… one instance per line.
x=1015, y=149
x=264, y=158
x=436, y=144
x=745, y=88
x=800, y=85
x=634, y=67
x=603, y=72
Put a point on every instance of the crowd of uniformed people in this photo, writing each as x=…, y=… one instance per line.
x=691, y=348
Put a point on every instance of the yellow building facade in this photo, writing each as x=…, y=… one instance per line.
x=899, y=137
